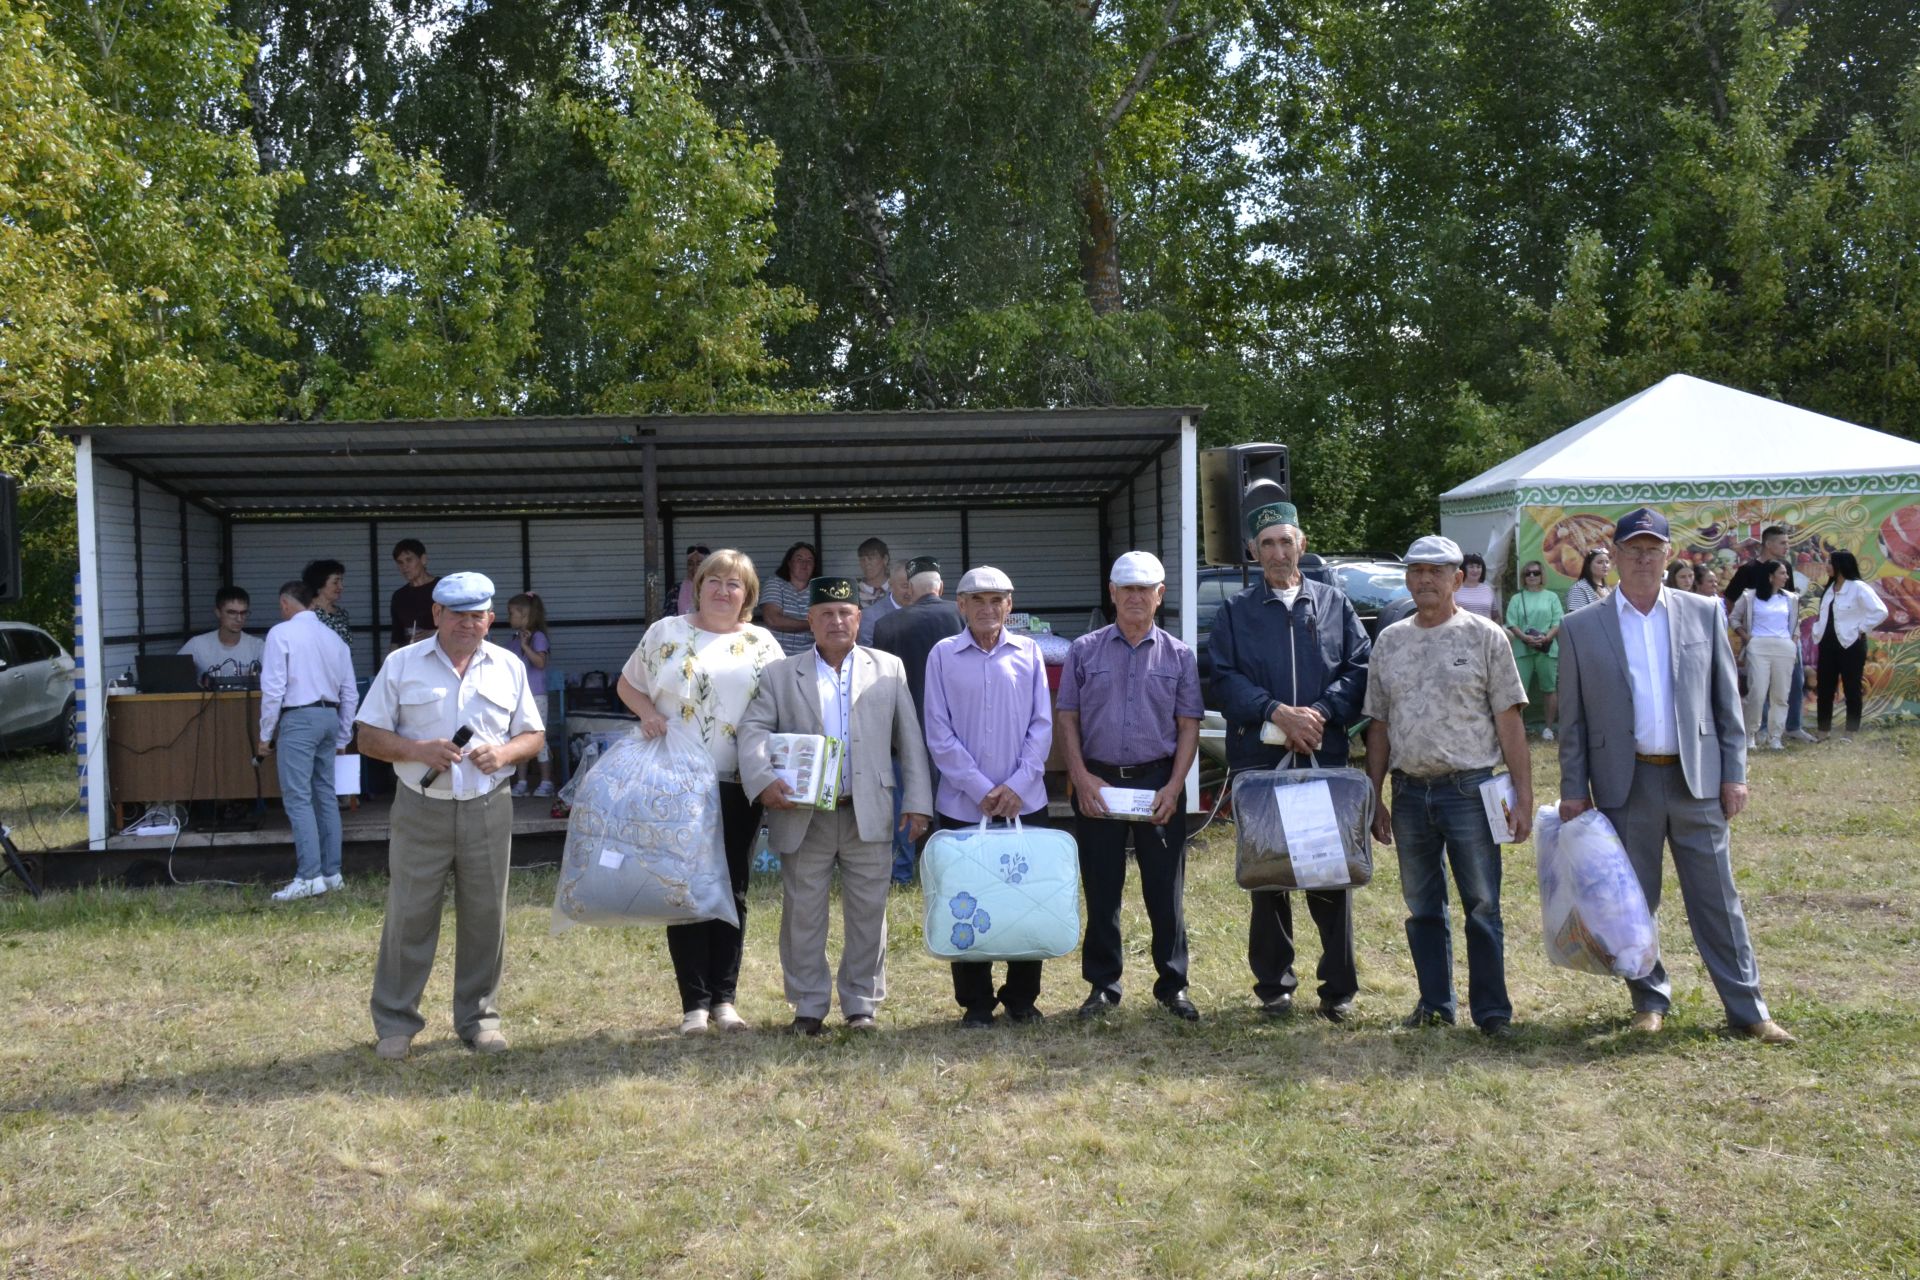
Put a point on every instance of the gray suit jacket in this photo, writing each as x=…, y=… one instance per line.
x=884, y=726
x=1596, y=702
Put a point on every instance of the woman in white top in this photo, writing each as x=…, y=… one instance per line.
x=1766, y=617
x=1592, y=583
x=702, y=669
x=1849, y=608
x=1475, y=594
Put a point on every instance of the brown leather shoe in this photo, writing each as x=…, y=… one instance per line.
x=1645, y=1022
x=1767, y=1031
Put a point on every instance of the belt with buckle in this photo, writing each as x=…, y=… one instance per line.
x=1644, y=758
x=331, y=706
x=1127, y=772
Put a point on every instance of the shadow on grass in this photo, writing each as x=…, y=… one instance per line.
x=1060, y=1055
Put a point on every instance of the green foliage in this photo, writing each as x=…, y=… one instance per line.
x=140, y=266
x=671, y=296
x=446, y=307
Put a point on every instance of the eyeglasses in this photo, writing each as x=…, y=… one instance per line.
x=1531, y=573
x=1656, y=552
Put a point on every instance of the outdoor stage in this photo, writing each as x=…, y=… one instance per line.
x=238, y=849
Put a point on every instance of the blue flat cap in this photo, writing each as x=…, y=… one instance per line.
x=464, y=592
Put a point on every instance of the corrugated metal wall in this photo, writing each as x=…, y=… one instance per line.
x=1146, y=517
x=589, y=572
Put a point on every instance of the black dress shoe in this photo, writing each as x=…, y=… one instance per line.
x=1026, y=1014
x=863, y=1022
x=1098, y=1005
x=1278, y=1007
x=1497, y=1029
x=807, y=1027
x=1336, y=1011
x=1181, y=1007
x=1423, y=1016
x=975, y=1019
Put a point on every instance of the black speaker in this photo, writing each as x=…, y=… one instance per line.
x=1225, y=476
x=11, y=588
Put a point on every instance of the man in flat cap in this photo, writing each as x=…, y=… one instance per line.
x=858, y=696
x=924, y=619
x=1446, y=703
x=1651, y=732
x=452, y=812
x=989, y=727
x=1291, y=653
x=1129, y=718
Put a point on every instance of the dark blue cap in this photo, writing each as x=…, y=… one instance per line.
x=1641, y=520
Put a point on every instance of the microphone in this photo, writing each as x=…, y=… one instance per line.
x=461, y=737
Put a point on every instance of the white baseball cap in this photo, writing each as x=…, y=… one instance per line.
x=1138, y=569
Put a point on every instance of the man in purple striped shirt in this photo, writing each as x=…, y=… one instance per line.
x=1130, y=714
x=989, y=726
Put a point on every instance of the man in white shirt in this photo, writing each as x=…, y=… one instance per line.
x=227, y=650
x=452, y=812
x=859, y=696
x=307, y=698
x=1651, y=733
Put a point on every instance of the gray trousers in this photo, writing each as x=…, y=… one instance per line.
x=806, y=879
x=1659, y=810
x=471, y=840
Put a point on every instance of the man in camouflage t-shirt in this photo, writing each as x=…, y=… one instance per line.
x=1445, y=699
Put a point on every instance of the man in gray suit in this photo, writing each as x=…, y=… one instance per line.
x=858, y=696
x=1650, y=731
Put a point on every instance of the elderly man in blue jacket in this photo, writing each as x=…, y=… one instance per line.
x=1290, y=653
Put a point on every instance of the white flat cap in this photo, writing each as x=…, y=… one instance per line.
x=1138, y=569
x=1434, y=549
x=983, y=578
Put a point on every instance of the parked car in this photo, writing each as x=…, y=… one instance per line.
x=1370, y=582
x=36, y=689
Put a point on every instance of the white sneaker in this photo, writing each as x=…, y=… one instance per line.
x=694, y=1023
x=544, y=789
x=519, y=789
x=727, y=1018
x=301, y=889
x=1546, y=735
x=336, y=881
x=1774, y=744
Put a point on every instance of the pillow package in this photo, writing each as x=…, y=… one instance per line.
x=644, y=842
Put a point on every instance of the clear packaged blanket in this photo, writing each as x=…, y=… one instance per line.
x=1302, y=828
x=1594, y=916
x=644, y=843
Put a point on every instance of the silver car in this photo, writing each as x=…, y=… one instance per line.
x=36, y=689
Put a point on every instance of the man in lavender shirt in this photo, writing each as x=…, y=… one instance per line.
x=1130, y=714
x=989, y=726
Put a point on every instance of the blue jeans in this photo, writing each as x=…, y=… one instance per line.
x=1439, y=821
x=902, y=847
x=303, y=751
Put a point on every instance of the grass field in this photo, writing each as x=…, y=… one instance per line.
x=187, y=1089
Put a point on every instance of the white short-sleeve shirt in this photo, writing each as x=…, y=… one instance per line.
x=419, y=695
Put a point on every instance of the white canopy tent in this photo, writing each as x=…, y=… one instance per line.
x=1683, y=439
x=1721, y=465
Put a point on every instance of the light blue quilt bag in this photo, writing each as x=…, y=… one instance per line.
x=1001, y=893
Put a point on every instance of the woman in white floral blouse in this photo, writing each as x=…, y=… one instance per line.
x=702, y=669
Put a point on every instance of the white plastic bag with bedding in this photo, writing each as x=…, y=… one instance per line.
x=644, y=840
x=1594, y=916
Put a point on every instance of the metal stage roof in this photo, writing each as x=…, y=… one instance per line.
x=599, y=464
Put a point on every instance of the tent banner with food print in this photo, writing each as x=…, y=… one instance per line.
x=1558, y=525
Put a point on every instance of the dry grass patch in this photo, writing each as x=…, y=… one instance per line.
x=187, y=1090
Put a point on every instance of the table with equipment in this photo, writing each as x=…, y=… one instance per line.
x=179, y=747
